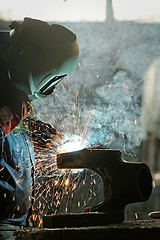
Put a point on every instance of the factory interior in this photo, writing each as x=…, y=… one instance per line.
x=105, y=179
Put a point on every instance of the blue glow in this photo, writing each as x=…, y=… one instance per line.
x=72, y=143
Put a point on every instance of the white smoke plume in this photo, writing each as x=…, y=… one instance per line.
x=106, y=115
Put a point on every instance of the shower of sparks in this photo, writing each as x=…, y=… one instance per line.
x=61, y=190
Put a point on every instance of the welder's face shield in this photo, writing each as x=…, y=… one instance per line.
x=49, y=86
x=40, y=56
x=45, y=86
x=42, y=84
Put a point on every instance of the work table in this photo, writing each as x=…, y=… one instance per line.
x=144, y=229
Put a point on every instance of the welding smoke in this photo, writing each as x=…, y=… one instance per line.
x=106, y=115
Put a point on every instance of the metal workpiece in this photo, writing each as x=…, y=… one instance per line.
x=124, y=182
x=128, y=182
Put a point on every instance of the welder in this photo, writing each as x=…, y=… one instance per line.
x=34, y=57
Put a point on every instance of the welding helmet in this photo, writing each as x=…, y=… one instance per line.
x=40, y=56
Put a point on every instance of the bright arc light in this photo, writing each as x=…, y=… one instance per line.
x=72, y=143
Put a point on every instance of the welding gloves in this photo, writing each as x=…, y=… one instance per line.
x=43, y=135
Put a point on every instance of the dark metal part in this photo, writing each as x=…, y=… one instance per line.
x=124, y=182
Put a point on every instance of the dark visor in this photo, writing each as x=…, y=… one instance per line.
x=49, y=86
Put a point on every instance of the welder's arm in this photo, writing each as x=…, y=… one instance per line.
x=14, y=106
x=43, y=135
x=10, y=119
x=6, y=118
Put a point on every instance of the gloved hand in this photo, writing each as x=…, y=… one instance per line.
x=43, y=135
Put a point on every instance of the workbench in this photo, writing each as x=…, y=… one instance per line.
x=139, y=229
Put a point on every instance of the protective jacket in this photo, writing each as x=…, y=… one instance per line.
x=16, y=177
